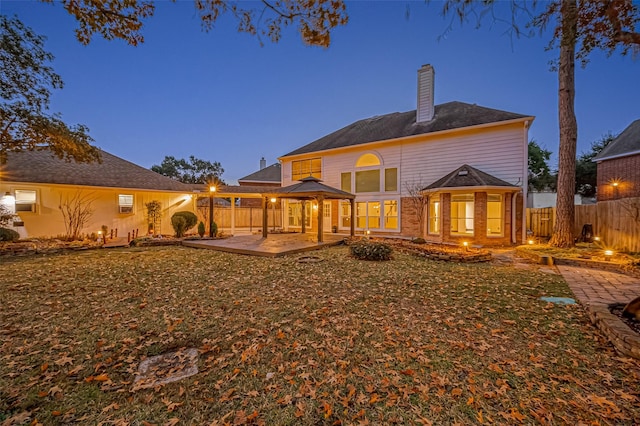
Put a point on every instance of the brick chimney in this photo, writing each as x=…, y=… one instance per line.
x=263, y=163
x=425, y=110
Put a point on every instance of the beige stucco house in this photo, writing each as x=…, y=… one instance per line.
x=35, y=184
x=468, y=161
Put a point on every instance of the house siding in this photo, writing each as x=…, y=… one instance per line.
x=47, y=220
x=624, y=170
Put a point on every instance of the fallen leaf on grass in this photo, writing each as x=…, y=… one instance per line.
x=171, y=406
x=108, y=408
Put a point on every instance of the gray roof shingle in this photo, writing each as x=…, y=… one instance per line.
x=268, y=174
x=114, y=172
x=627, y=143
x=467, y=176
x=451, y=115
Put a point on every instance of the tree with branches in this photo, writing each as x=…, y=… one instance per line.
x=116, y=19
x=76, y=211
x=26, y=81
x=579, y=27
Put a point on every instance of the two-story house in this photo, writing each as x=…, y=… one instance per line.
x=450, y=173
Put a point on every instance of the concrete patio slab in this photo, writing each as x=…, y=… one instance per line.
x=274, y=245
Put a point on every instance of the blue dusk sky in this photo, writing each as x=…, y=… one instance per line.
x=220, y=96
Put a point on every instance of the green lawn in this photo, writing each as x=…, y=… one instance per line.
x=341, y=341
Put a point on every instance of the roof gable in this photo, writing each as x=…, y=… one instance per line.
x=627, y=143
x=448, y=116
x=466, y=176
x=43, y=167
x=268, y=174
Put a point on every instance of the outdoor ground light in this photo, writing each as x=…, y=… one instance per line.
x=596, y=238
x=608, y=254
x=466, y=245
x=530, y=241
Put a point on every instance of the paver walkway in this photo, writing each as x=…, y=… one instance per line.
x=594, y=287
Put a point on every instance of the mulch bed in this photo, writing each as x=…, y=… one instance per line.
x=632, y=324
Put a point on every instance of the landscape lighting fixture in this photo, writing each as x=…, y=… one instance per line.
x=608, y=254
x=530, y=242
x=466, y=245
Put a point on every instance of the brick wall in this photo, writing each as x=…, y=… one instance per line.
x=409, y=225
x=625, y=171
x=479, y=223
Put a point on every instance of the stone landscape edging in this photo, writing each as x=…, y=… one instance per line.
x=625, y=340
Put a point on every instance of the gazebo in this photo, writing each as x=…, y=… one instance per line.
x=309, y=188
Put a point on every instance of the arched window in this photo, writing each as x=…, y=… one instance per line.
x=368, y=160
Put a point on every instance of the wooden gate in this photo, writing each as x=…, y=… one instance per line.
x=540, y=221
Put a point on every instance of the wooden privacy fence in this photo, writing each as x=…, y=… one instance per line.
x=616, y=222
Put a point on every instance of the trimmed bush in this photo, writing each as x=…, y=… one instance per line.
x=370, y=250
x=201, y=229
x=182, y=222
x=9, y=235
x=214, y=226
x=419, y=240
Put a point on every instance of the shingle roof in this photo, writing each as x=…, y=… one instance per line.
x=467, y=176
x=451, y=115
x=311, y=187
x=627, y=143
x=114, y=172
x=268, y=174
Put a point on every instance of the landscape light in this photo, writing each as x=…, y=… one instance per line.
x=608, y=254
x=466, y=245
x=531, y=241
x=596, y=238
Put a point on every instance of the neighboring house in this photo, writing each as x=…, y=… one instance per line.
x=618, y=166
x=267, y=176
x=471, y=162
x=39, y=184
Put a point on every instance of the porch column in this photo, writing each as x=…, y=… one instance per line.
x=264, y=217
x=233, y=215
x=304, y=226
x=353, y=216
x=320, y=218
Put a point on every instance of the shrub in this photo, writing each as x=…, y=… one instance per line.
x=370, y=250
x=419, y=240
x=9, y=235
x=182, y=222
x=214, y=226
x=179, y=224
x=201, y=229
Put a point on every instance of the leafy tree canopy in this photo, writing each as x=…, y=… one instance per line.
x=540, y=176
x=586, y=178
x=26, y=81
x=192, y=171
x=124, y=19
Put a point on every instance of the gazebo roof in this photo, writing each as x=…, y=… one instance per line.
x=311, y=187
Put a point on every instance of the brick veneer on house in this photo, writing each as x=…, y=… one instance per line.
x=625, y=171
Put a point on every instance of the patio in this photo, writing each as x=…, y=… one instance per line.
x=275, y=246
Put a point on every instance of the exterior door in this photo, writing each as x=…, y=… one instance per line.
x=326, y=216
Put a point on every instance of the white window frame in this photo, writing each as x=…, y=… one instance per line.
x=501, y=233
x=34, y=204
x=124, y=207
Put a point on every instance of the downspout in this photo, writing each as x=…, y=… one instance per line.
x=514, y=215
